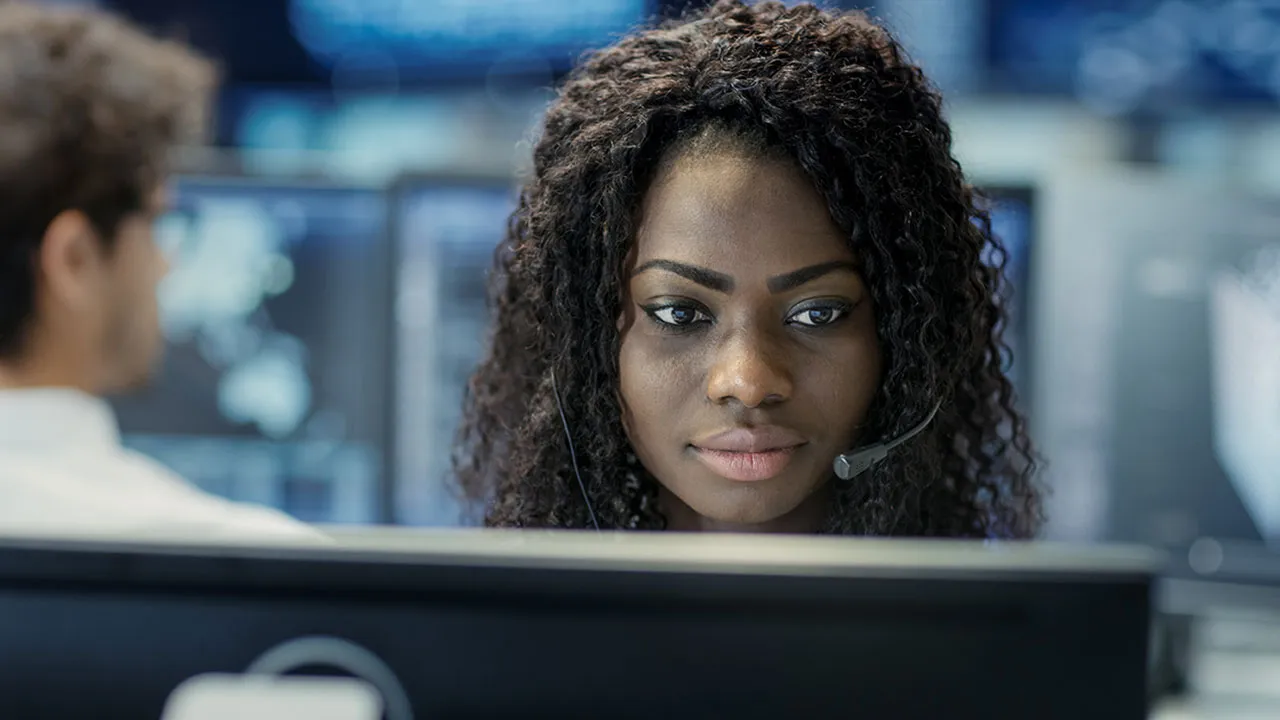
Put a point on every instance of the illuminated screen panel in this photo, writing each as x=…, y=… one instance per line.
x=1196, y=450
x=446, y=232
x=275, y=384
x=352, y=43
x=1122, y=56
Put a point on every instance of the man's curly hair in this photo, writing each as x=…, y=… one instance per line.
x=90, y=107
x=835, y=93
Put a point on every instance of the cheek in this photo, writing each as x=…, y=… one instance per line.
x=637, y=387
x=841, y=387
x=657, y=385
x=149, y=266
x=138, y=270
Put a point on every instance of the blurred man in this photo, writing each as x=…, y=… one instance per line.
x=89, y=109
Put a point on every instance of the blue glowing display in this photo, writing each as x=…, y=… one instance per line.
x=1121, y=57
x=413, y=35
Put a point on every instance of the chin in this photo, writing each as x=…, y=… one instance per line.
x=746, y=507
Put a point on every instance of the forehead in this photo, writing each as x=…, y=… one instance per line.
x=739, y=215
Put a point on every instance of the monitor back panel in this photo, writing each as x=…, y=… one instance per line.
x=470, y=642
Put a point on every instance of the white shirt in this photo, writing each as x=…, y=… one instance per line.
x=64, y=472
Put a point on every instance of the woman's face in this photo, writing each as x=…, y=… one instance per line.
x=749, y=354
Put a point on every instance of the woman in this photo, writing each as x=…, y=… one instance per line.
x=744, y=249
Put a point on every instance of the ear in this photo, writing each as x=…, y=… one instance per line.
x=70, y=257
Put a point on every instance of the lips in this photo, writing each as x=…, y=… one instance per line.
x=749, y=454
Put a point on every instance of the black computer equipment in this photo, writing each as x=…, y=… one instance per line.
x=471, y=624
x=278, y=315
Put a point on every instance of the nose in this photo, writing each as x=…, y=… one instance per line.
x=749, y=368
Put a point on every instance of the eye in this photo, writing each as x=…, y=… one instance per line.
x=677, y=315
x=818, y=315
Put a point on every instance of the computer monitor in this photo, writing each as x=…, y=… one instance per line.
x=471, y=624
x=1067, y=48
x=276, y=383
x=1196, y=445
x=446, y=230
x=1144, y=375
x=413, y=45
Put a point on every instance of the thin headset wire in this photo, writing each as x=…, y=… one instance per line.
x=573, y=454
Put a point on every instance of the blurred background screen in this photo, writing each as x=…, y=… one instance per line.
x=1244, y=367
x=275, y=386
x=1126, y=55
x=446, y=230
x=1113, y=55
x=1197, y=387
x=346, y=42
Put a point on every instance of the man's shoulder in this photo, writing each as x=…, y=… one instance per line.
x=235, y=516
x=129, y=494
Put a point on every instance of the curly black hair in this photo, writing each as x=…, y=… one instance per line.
x=835, y=92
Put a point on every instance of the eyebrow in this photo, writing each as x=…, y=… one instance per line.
x=722, y=283
x=709, y=279
x=796, y=278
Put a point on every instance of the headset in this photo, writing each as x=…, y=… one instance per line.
x=573, y=454
x=857, y=461
x=847, y=466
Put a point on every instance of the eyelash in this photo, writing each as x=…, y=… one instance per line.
x=839, y=308
x=701, y=316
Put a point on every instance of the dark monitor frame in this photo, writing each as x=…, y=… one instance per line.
x=387, y=262
x=253, y=598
